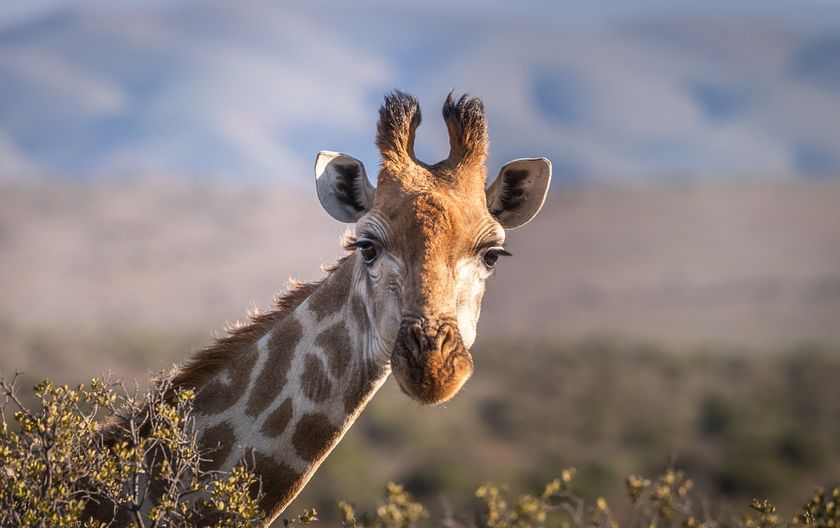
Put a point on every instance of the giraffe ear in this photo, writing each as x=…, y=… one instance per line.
x=518, y=192
x=342, y=185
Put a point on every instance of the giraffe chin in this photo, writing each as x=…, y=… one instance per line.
x=431, y=376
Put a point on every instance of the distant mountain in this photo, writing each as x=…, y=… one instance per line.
x=250, y=91
x=752, y=264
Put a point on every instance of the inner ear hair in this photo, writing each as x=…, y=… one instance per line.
x=342, y=185
x=518, y=193
x=511, y=191
x=349, y=183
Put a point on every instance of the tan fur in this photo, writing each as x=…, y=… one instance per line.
x=440, y=211
x=439, y=228
x=326, y=304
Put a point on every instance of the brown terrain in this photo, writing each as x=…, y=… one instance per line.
x=629, y=325
x=747, y=265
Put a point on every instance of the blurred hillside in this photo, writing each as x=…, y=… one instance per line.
x=752, y=266
x=629, y=325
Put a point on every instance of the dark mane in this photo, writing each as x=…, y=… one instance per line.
x=204, y=364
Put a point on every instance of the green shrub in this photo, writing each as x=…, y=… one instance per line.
x=56, y=466
x=665, y=501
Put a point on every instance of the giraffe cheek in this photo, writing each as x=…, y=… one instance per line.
x=469, y=309
x=467, y=322
x=388, y=318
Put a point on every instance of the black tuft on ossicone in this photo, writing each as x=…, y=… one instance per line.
x=467, y=124
x=399, y=117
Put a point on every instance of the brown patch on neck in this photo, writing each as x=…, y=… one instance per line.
x=219, y=395
x=324, y=303
x=335, y=342
x=314, y=436
x=273, y=377
x=314, y=381
x=361, y=387
x=216, y=442
x=202, y=366
x=278, y=482
x=357, y=306
x=277, y=421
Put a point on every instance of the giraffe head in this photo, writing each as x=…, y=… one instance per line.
x=428, y=237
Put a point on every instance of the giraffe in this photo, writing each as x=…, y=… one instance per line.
x=284, y=389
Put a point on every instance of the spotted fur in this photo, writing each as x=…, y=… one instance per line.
x=280, y=391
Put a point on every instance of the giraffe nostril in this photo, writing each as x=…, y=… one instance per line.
x=449, y=339
x=414, y=340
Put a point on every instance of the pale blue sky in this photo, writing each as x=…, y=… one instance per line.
x=613, y=92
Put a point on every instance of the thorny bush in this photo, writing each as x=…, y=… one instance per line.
x=54, y=464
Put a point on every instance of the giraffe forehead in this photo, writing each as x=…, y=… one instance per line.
x=437, y=218
x=443, y=176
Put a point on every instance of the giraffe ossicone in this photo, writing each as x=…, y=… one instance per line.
x=282, y=390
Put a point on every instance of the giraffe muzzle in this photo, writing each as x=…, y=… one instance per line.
x=430, y=362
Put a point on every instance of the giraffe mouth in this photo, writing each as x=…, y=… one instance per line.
x=430, y=364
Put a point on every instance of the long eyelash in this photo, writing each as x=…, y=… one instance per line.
x=353, y=243
x=348, y=241
x=499, y=250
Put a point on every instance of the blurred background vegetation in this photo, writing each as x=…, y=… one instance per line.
x=740, y=425
x=678, y=296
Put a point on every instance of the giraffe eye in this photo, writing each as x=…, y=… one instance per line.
x=491, y=256
x=368, y=250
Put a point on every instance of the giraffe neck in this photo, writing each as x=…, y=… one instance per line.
x=286, y=401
